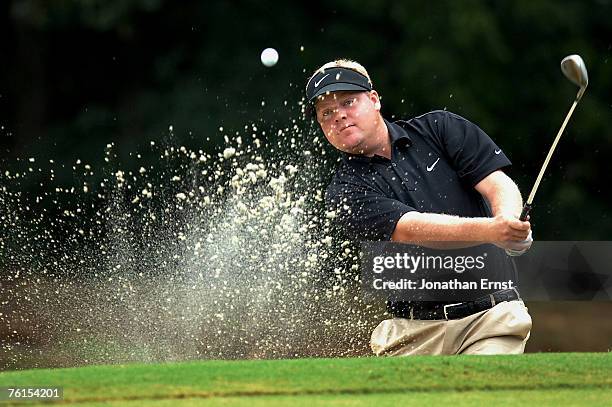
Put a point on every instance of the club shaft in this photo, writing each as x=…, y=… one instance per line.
x=550, y=153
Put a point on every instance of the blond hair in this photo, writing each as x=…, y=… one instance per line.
x=344, y=63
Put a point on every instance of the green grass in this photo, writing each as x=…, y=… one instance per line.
x=545, y=379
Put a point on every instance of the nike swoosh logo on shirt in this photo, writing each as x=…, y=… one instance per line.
x=497, y=152
x=317, y=83
x=429, y=169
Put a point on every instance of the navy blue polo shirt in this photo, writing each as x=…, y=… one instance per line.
x=436, y=160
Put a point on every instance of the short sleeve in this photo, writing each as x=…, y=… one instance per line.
x=362, y=212
x=472, y=152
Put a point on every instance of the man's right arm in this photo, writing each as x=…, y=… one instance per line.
x=419, y=228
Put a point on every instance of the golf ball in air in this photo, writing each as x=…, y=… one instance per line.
x=269, y=57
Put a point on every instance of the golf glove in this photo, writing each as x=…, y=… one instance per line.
x=520, y=248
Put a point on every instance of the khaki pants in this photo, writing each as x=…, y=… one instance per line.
x=503, y=329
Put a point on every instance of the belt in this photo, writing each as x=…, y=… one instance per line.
x=425, y=310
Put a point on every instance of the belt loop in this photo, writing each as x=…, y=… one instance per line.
x=412, y=313
x=492, y=300
x=449, y=305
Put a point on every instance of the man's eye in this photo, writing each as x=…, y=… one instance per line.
x=349, y=102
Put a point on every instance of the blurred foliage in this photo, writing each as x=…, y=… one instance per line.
x=77, y=75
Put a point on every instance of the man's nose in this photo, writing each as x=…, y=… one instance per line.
x=339, y=114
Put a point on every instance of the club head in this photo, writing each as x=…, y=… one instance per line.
x=574, y=69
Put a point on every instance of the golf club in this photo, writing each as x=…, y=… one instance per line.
x=574, y=69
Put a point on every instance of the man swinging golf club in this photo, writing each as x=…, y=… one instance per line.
x=436, y=177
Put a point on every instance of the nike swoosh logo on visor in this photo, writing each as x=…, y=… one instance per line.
x=317, y=83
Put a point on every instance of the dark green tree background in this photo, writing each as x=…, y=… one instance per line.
x=77, y=75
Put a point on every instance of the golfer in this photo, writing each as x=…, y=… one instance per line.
x=438, y=178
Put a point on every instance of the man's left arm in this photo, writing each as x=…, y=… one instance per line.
x=478, y=162
x=502, y=193
x=505, y=200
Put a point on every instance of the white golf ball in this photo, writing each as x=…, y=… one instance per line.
x=269, y=57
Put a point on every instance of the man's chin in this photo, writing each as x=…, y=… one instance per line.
x=355, y=147
x=358, y=149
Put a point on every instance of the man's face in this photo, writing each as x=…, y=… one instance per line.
x=349, y=120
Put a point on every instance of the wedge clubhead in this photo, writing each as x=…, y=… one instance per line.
x=574, y=69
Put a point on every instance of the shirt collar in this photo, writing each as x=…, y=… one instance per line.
x=398, y=136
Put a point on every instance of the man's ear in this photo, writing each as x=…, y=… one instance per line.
x=376, y=99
